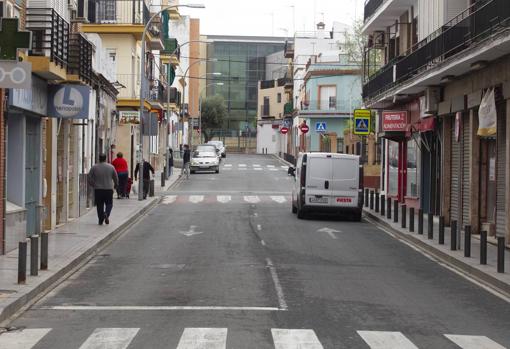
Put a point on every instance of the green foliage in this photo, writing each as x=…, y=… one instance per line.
x=355, y=43
x=213, y=113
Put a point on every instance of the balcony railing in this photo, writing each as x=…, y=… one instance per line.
x=371, y=7
x=480, y=21
x=265, y=84
x=80, y=57
x=157, y=93
x=332, y=105
x=50, y=35
x=130, y=86
x=284, y=82
x=171, y=46
x=175, y=96
x=116, y=11
x=288, y=108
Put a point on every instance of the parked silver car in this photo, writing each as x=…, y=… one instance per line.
x=205, y=158
x=220, y=146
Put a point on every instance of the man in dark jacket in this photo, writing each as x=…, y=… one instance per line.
x=186, y=158
x=146, y=176
x=103, y=178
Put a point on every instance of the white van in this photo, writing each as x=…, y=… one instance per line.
x=328, y=182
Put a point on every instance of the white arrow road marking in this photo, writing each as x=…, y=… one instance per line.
x=24, y=339
x=196, y=198
x=328, y=230
x=111, y=338
x=252, y=199
x=191, y=231
x=474, y=342
x=279, y=199
x=295, y=339
x=169, y=199
x=386, y=340
x=201, y=338
x=223, y=198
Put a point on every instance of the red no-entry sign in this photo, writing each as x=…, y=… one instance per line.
x=304, y=128
x=284, y=130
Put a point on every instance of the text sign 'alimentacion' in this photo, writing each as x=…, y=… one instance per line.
x=394, y=121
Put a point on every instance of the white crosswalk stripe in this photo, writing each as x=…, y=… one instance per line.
x=196, y=199
x=258, y=169
x=386, y=340
x=252, y=199
x=228, y=165
x=474, y=342
x=224, y=198
x=24, y=339
x=279, y=199
x=169, y=199
x=295, y=339
x=241, y=165
x=256, y=165
x=202, y=338
x=110, y=338
x=270, y=166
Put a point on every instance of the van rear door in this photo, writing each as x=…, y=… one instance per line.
x=318, y=183
x=345, y=182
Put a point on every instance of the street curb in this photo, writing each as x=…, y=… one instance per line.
x=54, y=280
x=464, y=268
x=285, y=162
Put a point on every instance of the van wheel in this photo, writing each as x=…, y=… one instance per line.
x=357, y=216
x=300, y=213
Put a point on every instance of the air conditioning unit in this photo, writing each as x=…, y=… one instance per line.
x=431, y=102
x=379, y=39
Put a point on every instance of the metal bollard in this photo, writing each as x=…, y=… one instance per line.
x=163, y=179
x=420, y=221
x=467, y=241
x=501, y=254
x=383, y=205
x=377, y=202
x=388, y=215
x=395, y=211
x=151, y=188
x=372, y=193
x=22, y=262
x=403, y=208
x=366, y=197
x=34, y=255
x=483, y=247
x=453, y=236
x=430, y=224
x=44, y=251
x=441, y=230
x=411, y=219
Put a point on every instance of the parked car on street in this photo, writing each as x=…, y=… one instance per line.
x=205, y=158
x=327, y=182
x=220, y=146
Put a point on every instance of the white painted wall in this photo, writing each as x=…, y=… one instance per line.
x=180, y=29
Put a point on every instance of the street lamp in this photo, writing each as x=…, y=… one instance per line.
x=200, y=104
x=142, y=86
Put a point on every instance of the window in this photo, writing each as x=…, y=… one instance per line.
x=279, y=98
x=327, y=97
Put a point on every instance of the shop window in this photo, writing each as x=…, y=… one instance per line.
x=392, y=168
x=413, y=174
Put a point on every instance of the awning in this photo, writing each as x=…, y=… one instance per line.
x=426, y=124
x=396, y=136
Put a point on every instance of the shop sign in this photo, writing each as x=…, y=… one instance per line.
x=129, y=117
x=394, y=121
x=487, y=115
x=69, y=101
x=34, y=99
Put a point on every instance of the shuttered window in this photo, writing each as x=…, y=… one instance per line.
x=455, y=174
x=466, y=159
x=500, y=171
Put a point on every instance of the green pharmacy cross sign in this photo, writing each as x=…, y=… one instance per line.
x=11, y=39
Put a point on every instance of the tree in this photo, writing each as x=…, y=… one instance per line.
x=213, y=112
x=369, y=61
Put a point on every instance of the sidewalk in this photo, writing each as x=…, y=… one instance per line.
x=484, y=274
x=69, y=246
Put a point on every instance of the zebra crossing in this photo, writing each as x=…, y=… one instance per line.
x=254, y=167
x=225, y=199
x=216, y=338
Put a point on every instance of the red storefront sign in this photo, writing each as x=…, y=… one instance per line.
x=394, y=121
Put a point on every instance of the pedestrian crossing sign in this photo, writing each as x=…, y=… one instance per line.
x=362, y=122
x=320, y=127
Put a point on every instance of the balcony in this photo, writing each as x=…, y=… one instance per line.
x=115, y=16
x=171, y=53
x=175, y=98
x=288, y=109
x=80, y=59
x=50, y=43
x=266, y=84
x=174, y=12
x=129, y=91
x=380, y=14
x=157, y=95
x=370, y=7
x=289, y=50
x=333, y=106
x=454, y=47
x=284, y=82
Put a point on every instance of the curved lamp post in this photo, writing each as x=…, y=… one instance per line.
x=142, y=87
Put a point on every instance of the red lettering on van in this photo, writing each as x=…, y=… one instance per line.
x=344, y=200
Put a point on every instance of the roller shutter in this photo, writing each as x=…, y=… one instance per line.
x=466, y=158
x=455, y=175
x=500, y=172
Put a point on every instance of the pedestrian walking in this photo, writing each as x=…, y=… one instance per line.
x=186, y=158
x=170, y=161
x=146, y=176
x=103, y=178
x=121, y=166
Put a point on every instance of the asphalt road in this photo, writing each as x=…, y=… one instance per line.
x=223, y=263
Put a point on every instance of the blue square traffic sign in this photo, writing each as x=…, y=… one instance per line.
x=320, y=127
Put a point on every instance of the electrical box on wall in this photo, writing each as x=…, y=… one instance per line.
x=431, y=100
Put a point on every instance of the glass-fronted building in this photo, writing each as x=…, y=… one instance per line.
x=242, y=63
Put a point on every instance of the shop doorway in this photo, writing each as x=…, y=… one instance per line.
x=32, y=174
x=488, y=183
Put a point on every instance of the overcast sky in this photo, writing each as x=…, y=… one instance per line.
x=256, y=17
